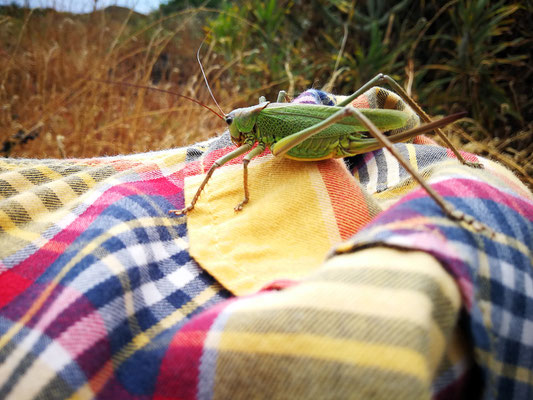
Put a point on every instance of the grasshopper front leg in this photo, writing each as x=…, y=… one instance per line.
x=218, y=163
x=381, y=78
x=255, y=152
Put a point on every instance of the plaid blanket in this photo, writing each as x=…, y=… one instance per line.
x=103, y=295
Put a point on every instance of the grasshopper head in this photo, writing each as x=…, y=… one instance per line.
x=241, y=122
x=237, y=137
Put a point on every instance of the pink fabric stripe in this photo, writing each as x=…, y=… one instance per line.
x=473, y=189
x=50, y=314
x=35, y=264
x=305, y=99
x=83, y=334
x=467, y=156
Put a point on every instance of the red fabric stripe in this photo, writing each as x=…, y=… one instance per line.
x=347, y=199
x=422, y=139
x=12, y=285
x=216, y=154
x=467, y=156
x=180, y=368
x=361, y=102
x=35, y=264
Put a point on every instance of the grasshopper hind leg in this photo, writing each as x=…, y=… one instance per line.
x=289, y=142
x=448, y=209
x=382, y=78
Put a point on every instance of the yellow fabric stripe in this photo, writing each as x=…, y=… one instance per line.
x=408, y=261
x=11, y=229
x=396, y=192
x=117, y=268
x=49, y=173
x=29, y=202
x=166, y=158
x=398, y=359
x=412, y=156
x=518, y=373
x=325, y=211
x=31, y=389
x=279, y=190
x=364, y=299
x=392, y=303
x=174, y=159
x=391, y=101
x=334, y=294
x=373, y=301
x=32, y=204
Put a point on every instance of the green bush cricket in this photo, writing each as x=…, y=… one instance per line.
x=310, y=132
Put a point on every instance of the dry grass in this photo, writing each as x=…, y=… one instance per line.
x=48, y=88
x=53, y=106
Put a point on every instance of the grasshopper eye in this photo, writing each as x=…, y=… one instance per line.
x=228, y=120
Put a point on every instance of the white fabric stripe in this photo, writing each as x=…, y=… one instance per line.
x=372, y=171
x=393, y=169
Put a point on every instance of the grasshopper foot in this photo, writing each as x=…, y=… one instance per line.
x=471, y=222
x=473, y=164
x=181, y=212
x=239, y=206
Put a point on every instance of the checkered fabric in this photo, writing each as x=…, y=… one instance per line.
x=101, y=298
x=95, y=277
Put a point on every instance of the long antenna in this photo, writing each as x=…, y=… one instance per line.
x=205, y=77
x=163, y=91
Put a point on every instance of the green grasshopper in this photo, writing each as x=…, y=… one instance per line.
x=309, y=132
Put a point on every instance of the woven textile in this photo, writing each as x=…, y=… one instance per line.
x=103, y=295
x=95, y=277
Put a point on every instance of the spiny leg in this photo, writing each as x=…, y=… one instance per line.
x=406, y=135
x=448, y=209
x=379, y=78
x=284, y=145
x=218, y=163
x=414, y=105
x=255, y=152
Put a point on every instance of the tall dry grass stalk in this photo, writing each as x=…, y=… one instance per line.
x=52, y=106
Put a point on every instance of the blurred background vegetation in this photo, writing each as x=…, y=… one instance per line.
x=472, y=55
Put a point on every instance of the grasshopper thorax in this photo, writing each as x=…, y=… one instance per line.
x=241, y=122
